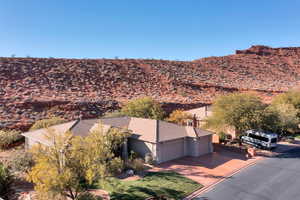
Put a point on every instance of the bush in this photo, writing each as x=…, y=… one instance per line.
x=179, y=117
x=149, y=158
x=222, y=136
x=237, y=110
x=116, y=166
x=144, y=108
x=88, y=196
x=6, y=181
x=134, y=155
x=45, y=123
x=8, y=137
x=137, y=164
x=21, y=161
x=115, y=113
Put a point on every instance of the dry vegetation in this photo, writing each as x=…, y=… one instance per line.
x=34, y=88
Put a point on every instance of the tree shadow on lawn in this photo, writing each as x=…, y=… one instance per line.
x=142, y=193
x=154, y=184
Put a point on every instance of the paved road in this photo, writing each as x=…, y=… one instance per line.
x=275, y=178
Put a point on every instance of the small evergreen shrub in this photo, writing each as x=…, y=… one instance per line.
x=222, y=137
x=6, y=181
x=137, y=164
x=116, y=165
x=8, y=137
x=21, y=161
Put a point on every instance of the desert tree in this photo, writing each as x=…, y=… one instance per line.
x=286, y=120
x=144, y=107
x=291, y=97
x=179, y=117
x=71, y=164
x=238, y=110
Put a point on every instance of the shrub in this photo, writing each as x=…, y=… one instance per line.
x=134, y=155
x=291, y=97
x=222, y=136
x=137, y=164
x=115, y=113
x=88, y=196
x=237, y=110
x=149, y=158
x=6, y=181
x=116, y=165
x=8, y=137
x=179, y=117
x=144, y=107
x=45, y=123
x=21, y=161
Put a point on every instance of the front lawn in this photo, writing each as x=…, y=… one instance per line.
x=167, y=184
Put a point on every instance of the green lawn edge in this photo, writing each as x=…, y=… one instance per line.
x=164, y=183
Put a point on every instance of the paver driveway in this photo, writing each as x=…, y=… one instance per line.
x=209, y=168
x=275, y=178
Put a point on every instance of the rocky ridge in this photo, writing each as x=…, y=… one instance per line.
x=34, y=88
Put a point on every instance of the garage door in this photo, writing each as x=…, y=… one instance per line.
x=204, y=145
x=172, y=150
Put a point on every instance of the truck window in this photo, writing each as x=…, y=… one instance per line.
x=273, y=140
x=259, y=137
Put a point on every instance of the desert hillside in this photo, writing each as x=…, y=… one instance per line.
x=33, y=88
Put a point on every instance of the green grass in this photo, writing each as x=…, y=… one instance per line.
x=297, y=136
x=167, y=184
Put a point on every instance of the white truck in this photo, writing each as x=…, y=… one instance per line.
x=260, y=139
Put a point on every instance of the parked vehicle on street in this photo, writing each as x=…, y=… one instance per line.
x=260, y=139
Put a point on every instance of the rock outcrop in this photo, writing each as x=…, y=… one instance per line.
x=34, y=88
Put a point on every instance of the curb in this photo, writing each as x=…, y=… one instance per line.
x=209, y=187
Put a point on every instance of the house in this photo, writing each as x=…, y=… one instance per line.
x=164, y=141
x=201, y=113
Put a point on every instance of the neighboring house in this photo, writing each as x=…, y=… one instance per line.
x=201, y=113
x=165, y=141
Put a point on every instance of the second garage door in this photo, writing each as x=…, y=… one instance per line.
x=171, y=150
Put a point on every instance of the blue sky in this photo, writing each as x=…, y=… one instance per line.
x=162, y=29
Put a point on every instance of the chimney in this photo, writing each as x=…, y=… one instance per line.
x=80, y=116
x=194, y=121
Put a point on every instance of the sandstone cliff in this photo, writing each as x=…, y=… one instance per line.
x=33, y=88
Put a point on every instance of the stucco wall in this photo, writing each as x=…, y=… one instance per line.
x=191, y=147
x=29, y=142
x=170, y=150
x=141, y=147
x=199, y=146
x=205, y=145
x=173, y=149
x=201, y=113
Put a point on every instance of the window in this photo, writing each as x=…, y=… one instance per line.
x=273, y=140
x=258, y=137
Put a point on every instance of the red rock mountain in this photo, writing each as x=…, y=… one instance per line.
x=34, y=88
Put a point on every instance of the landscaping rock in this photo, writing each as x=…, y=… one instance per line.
x=130, y=172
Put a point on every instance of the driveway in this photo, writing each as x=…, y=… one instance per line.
x=273, y=178
x=208, y=169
